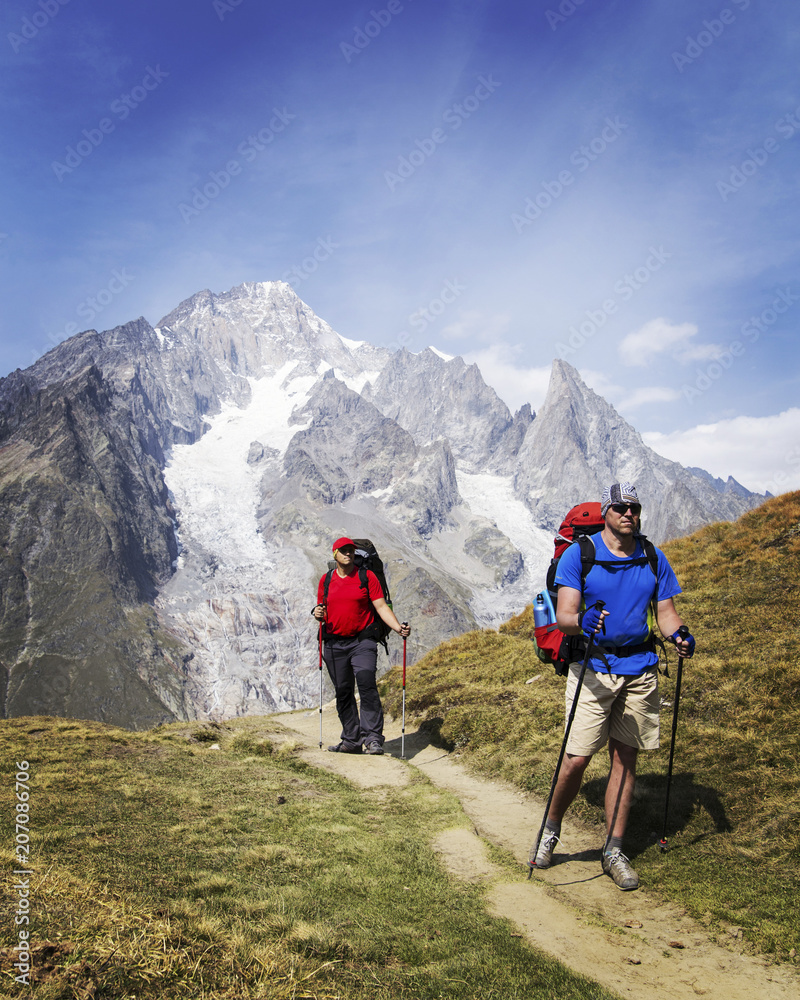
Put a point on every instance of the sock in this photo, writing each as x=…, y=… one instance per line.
x=613, y=844
x=551, y=827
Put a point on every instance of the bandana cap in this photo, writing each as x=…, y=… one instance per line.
x=618, y=493
x=341, y=542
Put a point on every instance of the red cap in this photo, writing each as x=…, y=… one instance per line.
x=341, y=542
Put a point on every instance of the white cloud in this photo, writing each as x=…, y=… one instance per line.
x=658, y=336
x=762, y=453
x=503, y=368
x=648, y=394
x=474, y=325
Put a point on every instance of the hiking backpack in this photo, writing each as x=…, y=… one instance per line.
x=581, y=522
x=367, y=558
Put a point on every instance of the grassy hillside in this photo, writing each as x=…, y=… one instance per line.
x=211, y=862
x=734, y=825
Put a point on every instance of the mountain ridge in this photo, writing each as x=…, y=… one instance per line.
x=203, y=465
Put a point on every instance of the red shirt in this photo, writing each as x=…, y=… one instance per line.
x=349, y=608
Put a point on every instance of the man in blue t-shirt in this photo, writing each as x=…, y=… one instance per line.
x=618, y=702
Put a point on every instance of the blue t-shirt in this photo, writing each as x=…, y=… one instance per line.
x=627, y=590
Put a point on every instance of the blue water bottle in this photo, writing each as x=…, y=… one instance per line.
x=541, y=614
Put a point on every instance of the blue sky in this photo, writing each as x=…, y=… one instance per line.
x=607, y=182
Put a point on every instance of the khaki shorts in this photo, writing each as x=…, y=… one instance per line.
x=625, y=708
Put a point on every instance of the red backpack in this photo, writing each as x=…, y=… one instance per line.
x=552, y=646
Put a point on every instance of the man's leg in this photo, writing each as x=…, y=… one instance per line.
x=567, y=786
x=337, y=660
x=621, y=783
x=365, y=668
x=587, y=735
x=619, y=796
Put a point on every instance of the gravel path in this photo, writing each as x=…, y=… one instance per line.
x=631, y=942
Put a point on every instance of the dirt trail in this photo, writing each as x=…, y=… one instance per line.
x=630, y=942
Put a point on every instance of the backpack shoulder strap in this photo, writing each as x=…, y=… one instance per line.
x=651, y=555
x=362, y=578
x=588, y=557
x=328, y=576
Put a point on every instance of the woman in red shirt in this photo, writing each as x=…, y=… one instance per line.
x=351, y=651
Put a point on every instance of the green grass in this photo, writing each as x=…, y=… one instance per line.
x=734, y=823
x=167, y=867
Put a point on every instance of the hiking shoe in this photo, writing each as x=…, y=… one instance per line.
x=545, y=853
x=619, y=868
x=375, y=748
x=345, y=748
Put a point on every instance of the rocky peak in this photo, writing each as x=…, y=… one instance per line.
x=578, y=444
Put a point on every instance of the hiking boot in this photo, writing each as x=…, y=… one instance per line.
x=375, y=748
x=345, y=748
x=619, y=868
x=545, y=853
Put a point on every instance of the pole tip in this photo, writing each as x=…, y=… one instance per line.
x=663, y=845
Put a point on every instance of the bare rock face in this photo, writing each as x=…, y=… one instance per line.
x=87, y=538
x=348, y=447
x=170, y=496
x=432, y=398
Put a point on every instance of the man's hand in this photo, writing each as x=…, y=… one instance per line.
x=684, y=643
x=319, y=612
x=590, y=621
x=405, y=630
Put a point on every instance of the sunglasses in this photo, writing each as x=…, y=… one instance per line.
x=623, y=508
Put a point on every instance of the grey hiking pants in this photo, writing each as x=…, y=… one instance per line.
x=352, y=662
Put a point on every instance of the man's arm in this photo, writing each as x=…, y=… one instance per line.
x=390, y=617
x=568, y=611
x=669, y=621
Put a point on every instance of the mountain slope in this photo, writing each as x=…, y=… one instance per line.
x=171, y=494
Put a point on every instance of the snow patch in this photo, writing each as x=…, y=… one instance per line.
x=353, y=345
x=357, y=382
x=215, y=491
x=493, y=497
x=444, y=357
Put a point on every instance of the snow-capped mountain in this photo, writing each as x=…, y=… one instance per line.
x=172, y=494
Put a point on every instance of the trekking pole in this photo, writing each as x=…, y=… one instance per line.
x=320, y=685
x=683, y=631
x=590, y=641
x=403, y=731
